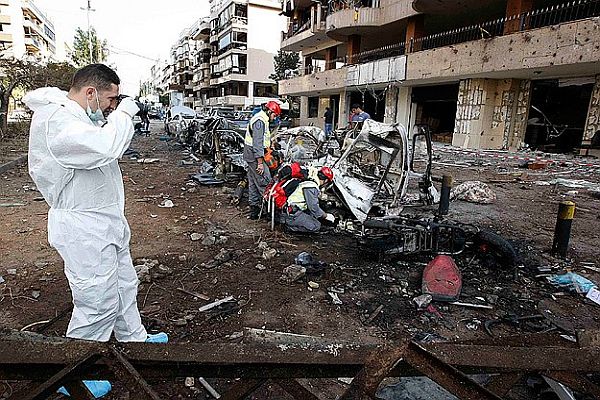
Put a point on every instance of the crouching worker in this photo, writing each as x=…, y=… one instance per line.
x=302, y=212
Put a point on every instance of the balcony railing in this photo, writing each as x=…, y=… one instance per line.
x=295, y=29
x=566, y=12
x=233, y=45
x=338, y=5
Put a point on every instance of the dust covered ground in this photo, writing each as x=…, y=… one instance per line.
x=224, y=259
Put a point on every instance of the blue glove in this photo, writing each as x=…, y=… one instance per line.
x=97, y=388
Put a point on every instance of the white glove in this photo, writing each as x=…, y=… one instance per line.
x=330, y=218
x=128, y=106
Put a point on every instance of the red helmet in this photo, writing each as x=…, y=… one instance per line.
x=274, y=107
x=326, y=173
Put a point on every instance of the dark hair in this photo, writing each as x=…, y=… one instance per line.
x=98, y=75
x=356, y=105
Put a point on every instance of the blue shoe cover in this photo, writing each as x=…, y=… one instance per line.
x=97, y=388
x=158, y=338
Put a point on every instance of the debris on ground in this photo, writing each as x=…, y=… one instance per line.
x=195, y=236
x=260, y=267
x=148, y=160
x=313, y=285
x=473, y=192
x=167, y=204
x=423, y=300
x=269, y=254
x=293, y=273
x=572, y=282
x=335, y=298
x=216, y=303
x=222, y=257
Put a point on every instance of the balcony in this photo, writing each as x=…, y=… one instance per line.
x=200, y=31
x=230, y=100
x=345, y=21
x=322, y=82
x=6, y=37
x=549, y=51
x=32, y=43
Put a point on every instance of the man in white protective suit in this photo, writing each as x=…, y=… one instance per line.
x=73, y=160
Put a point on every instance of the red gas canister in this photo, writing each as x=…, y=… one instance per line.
x=442, y=279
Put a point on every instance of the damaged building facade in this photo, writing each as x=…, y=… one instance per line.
x=498, y=74
x=224, y=59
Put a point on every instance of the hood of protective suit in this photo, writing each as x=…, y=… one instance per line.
x=39, y=98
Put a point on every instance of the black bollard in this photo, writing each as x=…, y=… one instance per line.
x=445, y=195
x=562, y=232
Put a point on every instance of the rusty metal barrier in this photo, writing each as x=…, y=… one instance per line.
x=51, y=362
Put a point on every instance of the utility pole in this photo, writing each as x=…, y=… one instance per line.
x=89, y=9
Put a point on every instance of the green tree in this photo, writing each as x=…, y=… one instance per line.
x=24, y=76
x=284, y=60
x=81, y=50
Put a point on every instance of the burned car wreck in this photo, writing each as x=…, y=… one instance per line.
x=380, y=197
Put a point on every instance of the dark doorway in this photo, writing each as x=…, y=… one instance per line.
x=373, y=103
x=557, y=114
x=436, y=107
x=334, y=104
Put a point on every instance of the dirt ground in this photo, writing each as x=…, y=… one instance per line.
x=35, y=288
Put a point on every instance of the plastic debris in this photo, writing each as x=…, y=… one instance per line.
x=423, y=300
x=335, y=298
x=572, y=282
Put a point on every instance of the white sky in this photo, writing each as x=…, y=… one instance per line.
x=144, y=27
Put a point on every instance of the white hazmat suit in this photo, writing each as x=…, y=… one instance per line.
x=74, y=164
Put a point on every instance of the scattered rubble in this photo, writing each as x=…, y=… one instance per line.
x=222, y=257
x=167, y=204
x=293, y=273
x=474, y=192
x=260, y=267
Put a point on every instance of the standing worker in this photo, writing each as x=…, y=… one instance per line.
x=328, y=126
x=73, y=160
x=302, y=211
x=257, y=140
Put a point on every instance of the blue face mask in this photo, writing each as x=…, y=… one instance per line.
x=95, y=116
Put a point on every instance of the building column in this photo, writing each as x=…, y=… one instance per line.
x=250, y=92
x=514, y=8
x=404, y=113
x=391, y=104
x=303, y=110
x=353, y=47
x=343, y=114
x=330, y=56
x=592, y=123
x=415, y=30
x=491, y=114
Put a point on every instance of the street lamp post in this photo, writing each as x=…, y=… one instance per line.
x=89, y=9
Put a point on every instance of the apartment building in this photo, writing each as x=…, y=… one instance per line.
x=495, y=74
x=26, y=31
x=226, y=59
